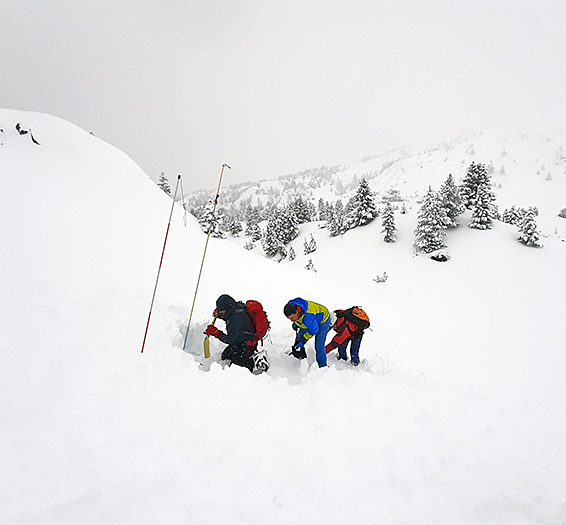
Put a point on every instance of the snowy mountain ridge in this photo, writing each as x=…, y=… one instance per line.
x=525, y=164
x=455, y=415
x=526, y=170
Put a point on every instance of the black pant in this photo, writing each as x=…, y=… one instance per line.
x=240, y=355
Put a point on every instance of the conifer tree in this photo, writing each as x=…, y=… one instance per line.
x=270, y=242
x=381, y=279
x=282, y=251
x=288, y=225
x=483, y=209
x=281, y=229
x=253, y=219
x=310, y=266
x=303, y=210
x=516, y=215
x=268, y=211
x=210, y=220
x=246, y=212
x=431, y=218
x=364, y=206
x=253, y=231
x=451, y=202
x=529, y=235
x=292, y=253
x=232, y=224
x=164, y=183
x=513, y=216
x=313, y=245
x=350, y=215
x=336, y=220
x=476, y=175
x=309, y=246
x=388, y=223
x=324, y=210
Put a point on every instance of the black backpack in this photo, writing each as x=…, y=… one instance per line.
x=355, y=315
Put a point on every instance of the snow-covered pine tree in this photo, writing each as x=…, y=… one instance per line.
x=484, y=211
x=365, y=209
x=288, y=225
x=350, y=215
x=310, y=266
x=281, y=230
x=309, y=246
x=232, y=224
x=253, y=219
x=452, y=202
x=381, y=279
x=313, y=245
x=270, y=241
x=253, y=231
x=476, y=175
x=210, y=220
x=388, y=223
x=324, y=210
x=164, y=183
x=246, y=211
x=282, y=251
x=303, y=209
x=306, y=250
x=529, y=234
x=292, y=253
x=513, y=215
x=431, y=218
x=336, y=220
x=268, y=211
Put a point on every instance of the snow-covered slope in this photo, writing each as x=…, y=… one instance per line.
x=456, y=416
x=527, y=168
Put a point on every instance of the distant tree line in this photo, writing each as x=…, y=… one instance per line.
x=276, y=226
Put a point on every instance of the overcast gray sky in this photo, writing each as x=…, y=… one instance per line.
x=275, y=87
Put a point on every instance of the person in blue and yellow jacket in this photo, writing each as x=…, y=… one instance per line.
x=309, y=319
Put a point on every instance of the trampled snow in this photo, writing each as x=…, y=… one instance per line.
x=456, y=415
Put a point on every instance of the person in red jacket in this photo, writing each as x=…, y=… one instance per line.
x=348, y=330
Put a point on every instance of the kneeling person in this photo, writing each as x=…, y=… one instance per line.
x=240, y=337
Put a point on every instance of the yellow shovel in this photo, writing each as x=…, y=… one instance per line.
x=207, y=342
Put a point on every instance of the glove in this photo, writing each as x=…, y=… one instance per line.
x=211, y=330
x=299, y=353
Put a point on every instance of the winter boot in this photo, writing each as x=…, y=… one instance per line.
x=260, y=362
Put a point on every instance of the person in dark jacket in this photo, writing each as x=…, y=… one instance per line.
x=239, y=336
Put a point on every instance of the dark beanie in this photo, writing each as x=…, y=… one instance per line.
x=225, y=303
